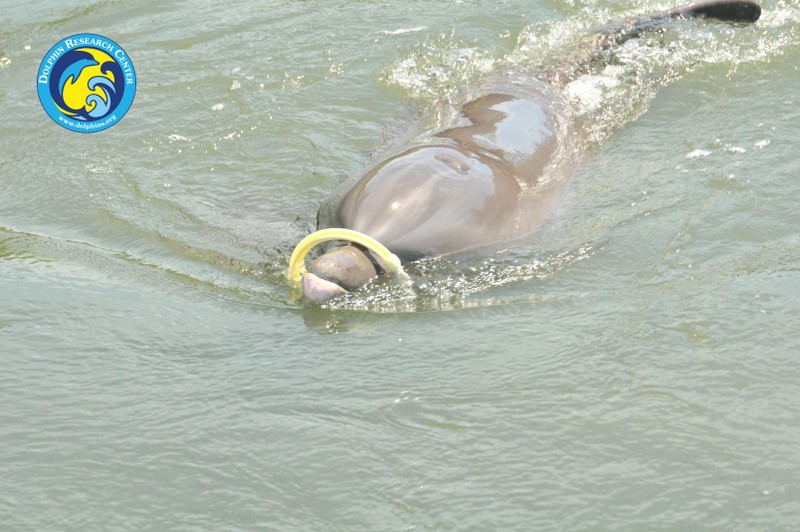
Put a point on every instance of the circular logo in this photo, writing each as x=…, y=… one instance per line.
x=86, y=83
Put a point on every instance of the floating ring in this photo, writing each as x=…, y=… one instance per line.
x=297, y=264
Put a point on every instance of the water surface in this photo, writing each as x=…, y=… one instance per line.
x=631, y=366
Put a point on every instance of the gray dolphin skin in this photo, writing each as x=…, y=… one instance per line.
x=492, y=176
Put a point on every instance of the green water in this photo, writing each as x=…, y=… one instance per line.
x=633, y=365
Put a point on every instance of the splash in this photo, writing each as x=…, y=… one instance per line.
x=620, y=84
x=435, y=72
x=614, y=89
x=446, y=284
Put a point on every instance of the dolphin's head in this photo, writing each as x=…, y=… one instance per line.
x=340, y=270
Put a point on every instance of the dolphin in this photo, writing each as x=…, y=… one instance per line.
x=490, y=177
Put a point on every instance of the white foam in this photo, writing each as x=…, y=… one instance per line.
x=403, y=31
x=696, y=154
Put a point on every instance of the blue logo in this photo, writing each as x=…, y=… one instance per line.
x=86, y=83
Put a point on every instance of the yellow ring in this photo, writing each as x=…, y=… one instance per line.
x=296, y=262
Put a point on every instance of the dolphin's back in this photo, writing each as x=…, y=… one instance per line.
x=490, y=177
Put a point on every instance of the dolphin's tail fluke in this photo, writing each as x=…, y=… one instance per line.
x=743, y=11
x=728, y=10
